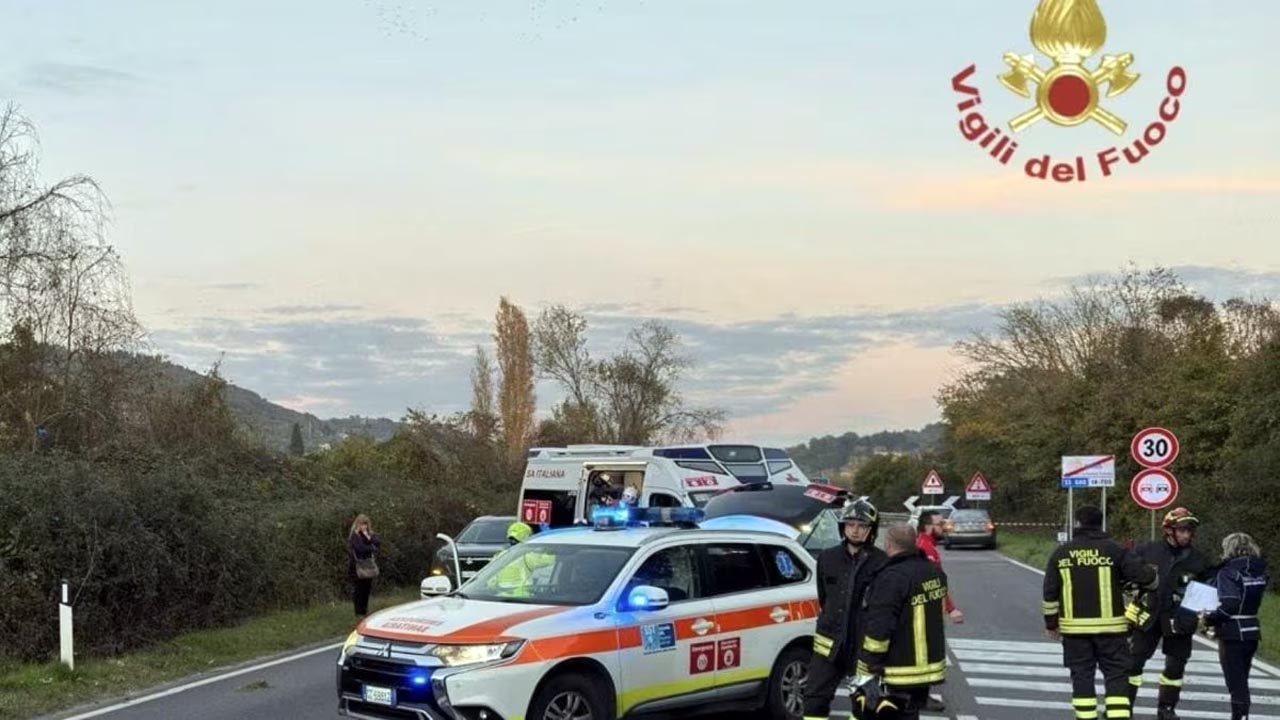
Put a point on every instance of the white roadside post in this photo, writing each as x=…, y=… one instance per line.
x=65, y=629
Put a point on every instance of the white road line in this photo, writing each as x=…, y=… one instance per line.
x=1195, y=666
x=1064, y=689
x=1066, y=708
x=206, y=681
x=1024, y=646
x=979, y=668
x=1259, y=664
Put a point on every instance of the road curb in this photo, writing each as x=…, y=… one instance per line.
x=1260, y=664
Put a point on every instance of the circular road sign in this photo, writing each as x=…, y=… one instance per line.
x=1154, y=488
x=1154, y=447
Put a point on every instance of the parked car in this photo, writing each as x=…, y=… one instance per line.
x=969, y=526
x=810, y=509
x=617, y=620
x=478, y=542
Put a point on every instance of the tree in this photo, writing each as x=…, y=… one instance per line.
x=296, y=446
x=482, y=418
x=516, y=399
x=64, y=300
x=632, y=397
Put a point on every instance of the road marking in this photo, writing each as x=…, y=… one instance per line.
x=1064, y=689
x=996, y=668
x=1258, y=664
x=1066, y=708
x=206, y=681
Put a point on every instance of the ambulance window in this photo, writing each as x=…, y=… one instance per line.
x=664, y=500
x=735, y=568
x=784, y=568
x=673, y=570
x=779, y=466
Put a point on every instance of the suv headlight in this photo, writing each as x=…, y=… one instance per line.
x=454, y=655
x=352, y=639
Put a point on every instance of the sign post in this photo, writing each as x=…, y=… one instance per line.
x=932, y=484
x=1085, y=471
x=1154, y=448
x=978, y=488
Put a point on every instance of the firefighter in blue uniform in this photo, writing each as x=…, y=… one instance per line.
x=1241, y=581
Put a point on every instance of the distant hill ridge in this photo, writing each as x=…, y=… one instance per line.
x=272, y=424
x=838, y=458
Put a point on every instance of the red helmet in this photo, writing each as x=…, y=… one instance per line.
x=1180, y=517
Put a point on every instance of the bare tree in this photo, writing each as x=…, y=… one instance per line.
x=483, y=420
x=516, y=400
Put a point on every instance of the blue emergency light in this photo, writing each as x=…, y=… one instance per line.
x=618, y=517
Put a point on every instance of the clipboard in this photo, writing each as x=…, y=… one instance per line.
x=1200, y=597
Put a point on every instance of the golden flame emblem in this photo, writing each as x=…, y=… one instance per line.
x=1067, y=94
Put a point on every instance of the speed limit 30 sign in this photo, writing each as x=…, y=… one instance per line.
x=1154, y=488
x=1154, y=447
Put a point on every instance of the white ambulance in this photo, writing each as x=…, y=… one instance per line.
x=561, y=485
x=611, y=621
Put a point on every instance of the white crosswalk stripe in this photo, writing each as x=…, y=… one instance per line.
x=1019, y=675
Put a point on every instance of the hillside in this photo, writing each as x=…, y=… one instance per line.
x=838, y=457
x=273, y=424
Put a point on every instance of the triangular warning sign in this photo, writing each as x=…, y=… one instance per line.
x=932, y=484
x=978, y=483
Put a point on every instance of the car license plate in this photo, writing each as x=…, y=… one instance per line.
x=379, y=695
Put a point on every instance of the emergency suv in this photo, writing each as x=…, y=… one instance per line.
x=641, y=612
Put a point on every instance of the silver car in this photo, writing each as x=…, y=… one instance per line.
x=968, y=526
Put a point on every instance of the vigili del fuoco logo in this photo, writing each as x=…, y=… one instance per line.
x=1067, y=93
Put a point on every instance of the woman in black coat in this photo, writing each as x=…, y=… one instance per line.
x=1241, y=581
x=362, y=568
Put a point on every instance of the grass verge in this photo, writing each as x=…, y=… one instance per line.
x=29, y=690
x=1034, y=550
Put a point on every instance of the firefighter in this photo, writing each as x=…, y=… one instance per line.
x=1157, y=615
x=903, y=649
x=844, y=572
x=1084, y=607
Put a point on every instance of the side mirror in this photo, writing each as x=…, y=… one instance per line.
x=647, y=597
x=434, y=586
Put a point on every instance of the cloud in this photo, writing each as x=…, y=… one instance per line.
x=76, y=79
x=380, y=366
x=1215, y=283
x=232, y=286
x=309, y=309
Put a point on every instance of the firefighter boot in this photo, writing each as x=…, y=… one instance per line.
x=1165, y=712
x=1239, y=711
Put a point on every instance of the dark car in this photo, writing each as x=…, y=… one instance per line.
x=810, y=509
x=478, y=542
x=969, y=526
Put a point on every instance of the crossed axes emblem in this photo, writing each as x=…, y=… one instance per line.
x=1112, y=71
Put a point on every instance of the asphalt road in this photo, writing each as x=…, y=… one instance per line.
x=1002, y=668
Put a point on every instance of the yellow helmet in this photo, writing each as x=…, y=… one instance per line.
x=519, y=531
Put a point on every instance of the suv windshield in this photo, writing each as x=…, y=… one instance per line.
x=485, y=532
x=549, y=574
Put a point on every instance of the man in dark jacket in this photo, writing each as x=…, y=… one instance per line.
x=844, y=572
x=1158, y=615
x=904, y=649
x=1083, y=606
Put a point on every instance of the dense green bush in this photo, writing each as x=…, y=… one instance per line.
x=158, y=544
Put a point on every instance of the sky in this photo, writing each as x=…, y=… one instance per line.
x=332, y=195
